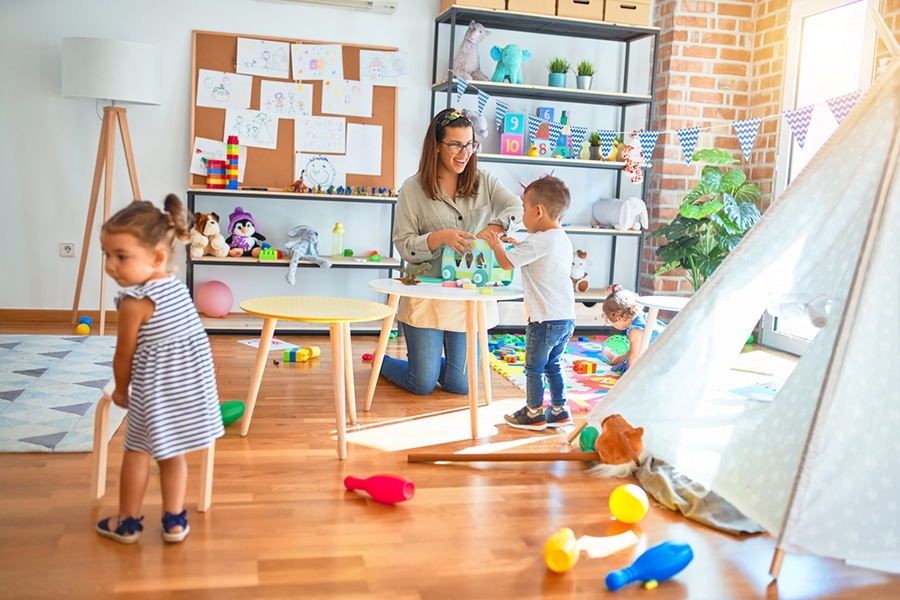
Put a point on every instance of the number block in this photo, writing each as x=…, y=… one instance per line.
x=512, y=144
x=546, y=113
x=514, y=123
x=544, y=148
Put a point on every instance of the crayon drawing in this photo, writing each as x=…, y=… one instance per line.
x=378, y=67
x=317, y=61
x=320, y=134
x=352, y=98
x=285, y=100
x=263, y=58
x=320, y=171
x=254, y=128
x=206, y=149
x=218, y=89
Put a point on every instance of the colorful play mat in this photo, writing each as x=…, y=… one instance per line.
x=583, y=390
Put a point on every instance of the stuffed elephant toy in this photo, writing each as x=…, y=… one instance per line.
x=304, y=245
x=509, y=63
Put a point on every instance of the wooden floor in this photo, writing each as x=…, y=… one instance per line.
x=282, y=526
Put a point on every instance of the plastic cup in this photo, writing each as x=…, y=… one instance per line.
x=561, y=551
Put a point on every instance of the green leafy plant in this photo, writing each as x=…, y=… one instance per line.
x=594, y=138
x=585, y=69
x=711, y=220
x=559, y=65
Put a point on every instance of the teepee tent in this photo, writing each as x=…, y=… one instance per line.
x=818, y=467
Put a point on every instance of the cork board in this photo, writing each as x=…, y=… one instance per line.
x=274, y=169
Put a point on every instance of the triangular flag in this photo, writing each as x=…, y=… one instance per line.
x=648, y=143
x=607, y=137
x=578, y=135
x=534, y=122
x=483, y=97
x=500, y=112
x=688, y=140
x=461, y=85
x=842, y=105
x=798, y=120
x=746, y=133
x=555, y=129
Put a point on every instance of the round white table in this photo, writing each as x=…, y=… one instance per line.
x=476, y=330
x=656, y=304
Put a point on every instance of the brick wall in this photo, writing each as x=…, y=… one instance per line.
x=718, y=61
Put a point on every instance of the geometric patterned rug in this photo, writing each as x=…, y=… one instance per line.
x=583, y=390
x=49, y=388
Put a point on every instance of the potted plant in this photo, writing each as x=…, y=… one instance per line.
x=558, y=68
x=711, y=220
x=584, y=74
x=594, y=141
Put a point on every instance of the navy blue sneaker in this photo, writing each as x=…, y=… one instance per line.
x=558, y=417
x=525, y=419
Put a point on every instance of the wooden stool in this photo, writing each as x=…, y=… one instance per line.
x=101, y=452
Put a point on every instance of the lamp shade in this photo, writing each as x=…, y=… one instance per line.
x=111, y=70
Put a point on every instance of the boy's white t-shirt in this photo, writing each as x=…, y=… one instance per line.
x=545, y=260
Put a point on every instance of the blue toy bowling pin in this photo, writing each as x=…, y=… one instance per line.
x=656, y=564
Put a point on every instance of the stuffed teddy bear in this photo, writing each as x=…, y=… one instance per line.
x=206, y=237
x=304, y=246
x=509, y=63
x=579, y=274
x=243, y=239
x=465, y=63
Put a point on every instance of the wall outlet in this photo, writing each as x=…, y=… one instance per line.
x=67, y=249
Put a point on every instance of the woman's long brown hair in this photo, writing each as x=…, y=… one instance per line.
x=467, y=183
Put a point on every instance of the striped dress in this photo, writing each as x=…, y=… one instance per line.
x=174, y=403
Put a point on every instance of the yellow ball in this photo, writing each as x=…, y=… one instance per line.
x=83, y=329
x=628, y=503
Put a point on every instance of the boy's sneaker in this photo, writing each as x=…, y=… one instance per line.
x=558, y=417
x=524, y=419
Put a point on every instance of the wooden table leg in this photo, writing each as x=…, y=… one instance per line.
x=378, y=359
x=262, y=355
x=101, y=442
x=207, y=462
x=472, y=362
x=484, y=353
x=337, y=377
x=648, y=330
x=348, y=374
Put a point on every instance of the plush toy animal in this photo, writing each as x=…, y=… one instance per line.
x=243, y=240
x=634, y=160
x=620, y=447
x=206, y=238
x=620, y=214
x=465, y=63
x=303, y=246
x=579, y=275
x=509, y=63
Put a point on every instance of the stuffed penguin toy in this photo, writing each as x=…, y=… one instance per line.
x=243, y=239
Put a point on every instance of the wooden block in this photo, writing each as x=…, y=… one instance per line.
x=544, y=148
x=543, y=132
x=514, y=123
x=546, y=113
x=512, y=144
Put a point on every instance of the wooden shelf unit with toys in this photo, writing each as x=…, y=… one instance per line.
x=452, y=21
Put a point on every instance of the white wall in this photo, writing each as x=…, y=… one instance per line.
x=50, y=143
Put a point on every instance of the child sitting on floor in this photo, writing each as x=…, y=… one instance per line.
x=623, y=312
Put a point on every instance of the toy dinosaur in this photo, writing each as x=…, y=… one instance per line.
x=411, y=273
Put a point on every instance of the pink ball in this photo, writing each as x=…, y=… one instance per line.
x=215, y=299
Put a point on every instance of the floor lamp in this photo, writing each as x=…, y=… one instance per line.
x=113, y=71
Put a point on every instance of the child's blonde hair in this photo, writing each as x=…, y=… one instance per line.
x=620, y=304
x=552, y=193
x=151, y=226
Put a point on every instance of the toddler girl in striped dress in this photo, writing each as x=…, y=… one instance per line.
x=163, y=366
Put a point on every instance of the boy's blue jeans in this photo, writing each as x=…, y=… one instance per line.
x=424, y=367
x=545, y=343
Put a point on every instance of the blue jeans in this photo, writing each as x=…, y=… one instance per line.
x=424, y=367
x=544, y=344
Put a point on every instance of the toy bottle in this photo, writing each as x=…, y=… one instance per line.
x=561, y=551
x=386, y=489
x=656, y=564
x=337, y=240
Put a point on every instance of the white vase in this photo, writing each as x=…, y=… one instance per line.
x=583, y=82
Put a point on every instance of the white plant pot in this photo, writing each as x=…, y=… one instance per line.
x=583, y=82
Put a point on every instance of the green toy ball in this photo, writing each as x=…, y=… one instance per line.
x=616, y=345
x=588, y=439
x=231, y=411
x=348, y=252
x=751, y=339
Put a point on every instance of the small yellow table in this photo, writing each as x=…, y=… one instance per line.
x=338, y=313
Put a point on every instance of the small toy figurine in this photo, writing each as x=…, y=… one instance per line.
x=299, y=186
x=411, y=273
x=243, y=238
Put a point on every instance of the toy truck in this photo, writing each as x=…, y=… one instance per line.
x=480, y=266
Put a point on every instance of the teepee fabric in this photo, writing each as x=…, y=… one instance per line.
x=817, y=467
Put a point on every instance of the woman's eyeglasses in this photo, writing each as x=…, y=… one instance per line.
x=456, y=147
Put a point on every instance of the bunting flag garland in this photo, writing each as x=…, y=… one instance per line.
x=648, y=143
x=500, y=112
x=746, y=133
x=578, y=135
x=607, y=137
x=533, y=123
x=688, y=140
x=842, y=105
x=555, y=129
x=798, y=120
x=461, y=85
x=483, y=97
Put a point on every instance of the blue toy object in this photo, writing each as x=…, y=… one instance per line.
x=479, y=265
x=656, y=564
x=509, y=63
